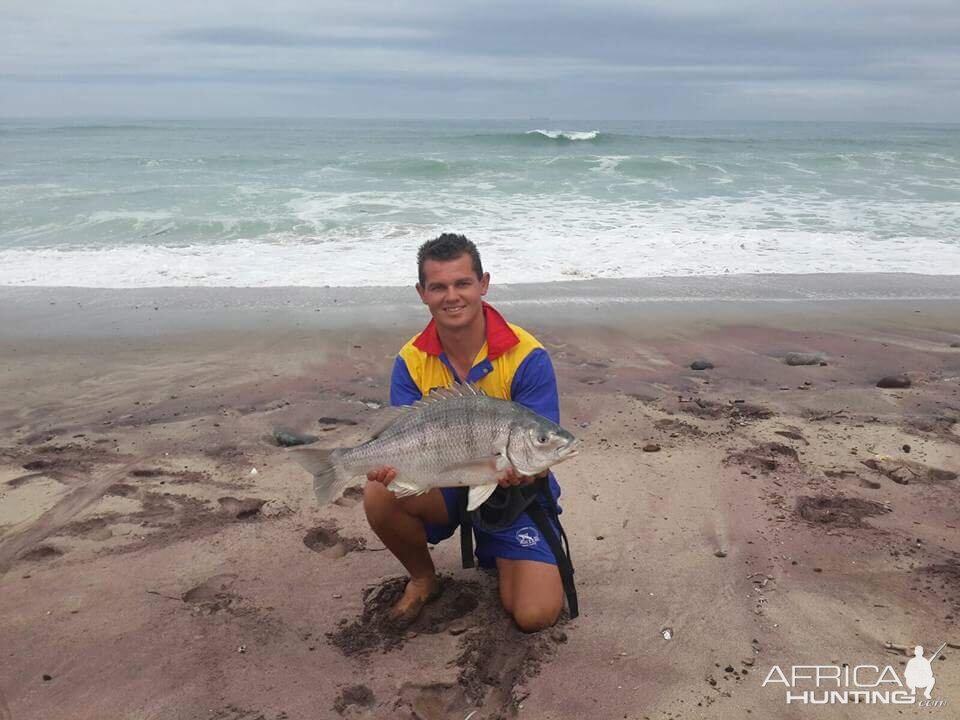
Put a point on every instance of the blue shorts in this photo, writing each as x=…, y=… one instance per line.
x=522, y=540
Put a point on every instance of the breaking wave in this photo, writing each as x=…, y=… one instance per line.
x=566, y=135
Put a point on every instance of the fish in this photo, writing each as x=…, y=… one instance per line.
x=453, y=437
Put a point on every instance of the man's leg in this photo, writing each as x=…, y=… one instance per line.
x=398, y=522
x=531, y=591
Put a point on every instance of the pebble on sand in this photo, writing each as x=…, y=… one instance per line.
x=894, y=381
x=290, y=438
x=701, y=365
x=458, y=627
x=799, y=358
x=651, y=447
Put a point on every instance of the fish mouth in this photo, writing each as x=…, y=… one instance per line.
x=570, y=449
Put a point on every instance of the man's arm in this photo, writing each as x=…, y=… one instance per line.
x=403, y=391
x=535, y=387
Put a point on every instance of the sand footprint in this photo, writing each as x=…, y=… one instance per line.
x=326, y=539
x=213, y=594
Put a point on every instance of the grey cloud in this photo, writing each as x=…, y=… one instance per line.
x=700, y=58
x=265, y=37
x=244, y=36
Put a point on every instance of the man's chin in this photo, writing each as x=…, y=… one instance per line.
x=455, y=321
x=452, y=323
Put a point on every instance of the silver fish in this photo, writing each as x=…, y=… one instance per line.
x=454, y=437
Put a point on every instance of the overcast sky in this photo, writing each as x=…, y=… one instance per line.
x=895, y=60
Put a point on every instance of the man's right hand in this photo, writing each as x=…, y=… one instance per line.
x=383, y=475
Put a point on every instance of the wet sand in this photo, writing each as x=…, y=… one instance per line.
x=765, y=514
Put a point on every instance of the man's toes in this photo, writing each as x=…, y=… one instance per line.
x=415, y=597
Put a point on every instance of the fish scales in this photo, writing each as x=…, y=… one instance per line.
x=454, y=437
x=435, y=436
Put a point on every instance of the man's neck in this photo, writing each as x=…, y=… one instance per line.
x=463, y=344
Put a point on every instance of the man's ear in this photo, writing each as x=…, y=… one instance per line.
x=420, y=293
x=484, y=283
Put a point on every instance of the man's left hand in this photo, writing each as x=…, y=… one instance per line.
x=510, y=477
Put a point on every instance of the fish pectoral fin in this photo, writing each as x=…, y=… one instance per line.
x=478, y=495
x=404, y=489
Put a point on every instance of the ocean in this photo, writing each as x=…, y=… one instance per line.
x=346, y=203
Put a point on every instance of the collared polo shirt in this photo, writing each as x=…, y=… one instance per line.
x=511, y=365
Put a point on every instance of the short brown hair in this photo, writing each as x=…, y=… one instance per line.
x=448, y=247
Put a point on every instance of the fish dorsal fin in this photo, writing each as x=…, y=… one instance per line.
x=446, y=393
x=388, y=417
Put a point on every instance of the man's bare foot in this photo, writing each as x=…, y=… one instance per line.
x=417, y=593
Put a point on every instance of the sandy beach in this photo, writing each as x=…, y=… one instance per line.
x=162, y=558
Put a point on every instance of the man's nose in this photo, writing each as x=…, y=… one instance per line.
x=451, y=294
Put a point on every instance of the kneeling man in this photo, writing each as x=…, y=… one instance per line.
x=517, y=529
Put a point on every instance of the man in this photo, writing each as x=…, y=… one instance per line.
x=468, y=341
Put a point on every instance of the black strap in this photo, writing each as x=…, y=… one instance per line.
x=560, y=551
x=466, y=530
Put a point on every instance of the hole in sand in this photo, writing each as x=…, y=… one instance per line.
x=350, y=497
x=320, y=539
x=121, y=490
x=326, y=539
x=153, y=472
x=241, y=508
x=436, y=701
x=838, y=511
x=213, y=594
x=354, y=695
x=336, y=421
x=373, y=629
x=23, y=479
x=42, y=552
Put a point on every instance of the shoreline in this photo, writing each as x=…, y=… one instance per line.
x=51, y=312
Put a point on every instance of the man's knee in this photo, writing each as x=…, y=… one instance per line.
x=536, y=613
x=532, y=617
x=378, y=502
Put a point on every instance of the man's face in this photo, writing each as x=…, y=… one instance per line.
x=453, y=292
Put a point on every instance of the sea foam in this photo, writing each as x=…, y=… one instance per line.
x=570, y=135
x=273, y=203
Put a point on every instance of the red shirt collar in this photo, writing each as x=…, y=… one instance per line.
x=500, y=337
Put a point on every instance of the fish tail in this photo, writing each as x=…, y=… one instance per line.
x=330, y=478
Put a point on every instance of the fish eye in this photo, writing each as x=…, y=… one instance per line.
x=542, y=439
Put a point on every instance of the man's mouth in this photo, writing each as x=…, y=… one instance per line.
x=454, y=310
